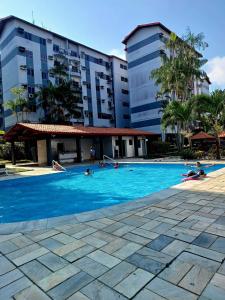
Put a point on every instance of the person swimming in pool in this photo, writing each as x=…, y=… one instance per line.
x=116, y=165
x=88, y=172
x=198, y=165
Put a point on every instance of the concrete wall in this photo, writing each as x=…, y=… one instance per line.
x=42, y=152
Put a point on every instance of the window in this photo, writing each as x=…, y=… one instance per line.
x=56, y=48
x=28, y=36
x=29, y=54
x=131, y=142
x=73, y=53
x=117, y=142
x=126, y=104
x=43, y=57
x=126, y=116
x=124, y=79
x=42, y=41
x=139, y=144
x=30, y=72
x=97, y=88
x=123, y=67
x=44, y=75
x=126, y=92
x=30, y=90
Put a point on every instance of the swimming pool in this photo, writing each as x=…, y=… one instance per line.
x=71, y=192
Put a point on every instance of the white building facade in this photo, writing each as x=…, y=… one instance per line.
x=29, y=52
x=144, y=47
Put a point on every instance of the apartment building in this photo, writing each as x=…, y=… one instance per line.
x=28, y=53
x=144, y=47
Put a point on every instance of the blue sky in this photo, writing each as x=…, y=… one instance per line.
x=102, y=24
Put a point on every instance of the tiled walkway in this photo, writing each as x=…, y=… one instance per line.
x=173, y=249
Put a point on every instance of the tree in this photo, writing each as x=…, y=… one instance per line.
x=210, y=110
x=181, y=66
x=178, y=115
x=19, y=103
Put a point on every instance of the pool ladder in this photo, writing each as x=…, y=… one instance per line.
x=108, y=158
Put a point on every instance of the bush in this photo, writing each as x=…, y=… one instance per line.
x=187, y=154
x=158, y=147
x=5, y=151
x=199, y=154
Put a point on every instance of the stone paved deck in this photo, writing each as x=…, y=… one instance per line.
x=171, y=249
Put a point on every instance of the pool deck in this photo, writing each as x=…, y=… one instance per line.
x=170, y=245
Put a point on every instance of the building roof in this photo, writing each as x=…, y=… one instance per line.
x=21, y=131
x=125, y=40
x=4, y=20
x=202, y=136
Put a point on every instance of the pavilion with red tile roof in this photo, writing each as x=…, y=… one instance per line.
x=120, y=142
x=202, y=136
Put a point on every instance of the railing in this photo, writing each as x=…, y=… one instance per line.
x=108, y=158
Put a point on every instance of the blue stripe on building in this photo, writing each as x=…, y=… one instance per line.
x=145, y=107
x=44, y=63
x=146, y=123
x=11, y=55
x=144, y=59
x=88, y=79
x=98, y=95
x=145, y=42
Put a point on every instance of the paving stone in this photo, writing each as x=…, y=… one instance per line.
x=30, y=256
x=78, y=296
x=23, y=251
x=30, y=269
x=204, y=240
x=57, y=277
x=31, y=293
x=155, y=255
x=104, y=258
x=96, y=224
x=22, y=241
x=210, y=265
x=196, y=280
x=70, y=286
x=113, y=227
x=219, y=281
x=64, y=238
x=79, y=253
x=98, y=291
x=7, y=247
x=123, y=230
x=180, y=236
x=85, y=232
x=175, y=248
x=135, y=221
x=136, y=238
x=211, y=254
x=50, y=244
x=52, y=261
x=117, y=274
x=114, y=245
x=107, y=237
x=45, y=235
x=169, y=290
x=133, y=283
x=10, y=277
x=14, y=287
x=160, y=242
x=5, y=265
x=148, y=295
x=220, y=220
x=93, y=241
x=91, y=266
x=127, y=250
x=213, y=292
x=146, y=263
x=63, y=250
x=150, y=225
x=162, y=228
x=6, y=237
x=222, y=269
x=219, y=245
x=175, y=272
x=145, y=233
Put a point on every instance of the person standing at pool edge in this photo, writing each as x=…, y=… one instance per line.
x=92, y=153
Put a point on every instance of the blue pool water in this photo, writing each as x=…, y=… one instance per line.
x=72, y=192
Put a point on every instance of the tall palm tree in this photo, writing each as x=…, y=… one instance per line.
x=19, y=103
x=210, y=110
x=178, y=115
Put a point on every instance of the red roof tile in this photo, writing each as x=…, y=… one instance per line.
x=222, y=134
x=79, y=130
x=202, y=136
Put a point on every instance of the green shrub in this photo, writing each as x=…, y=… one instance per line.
x=199, y=154
x=5, y=151
x=158, y=147
x=187, y=154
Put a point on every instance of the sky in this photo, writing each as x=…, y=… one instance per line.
x=102, y=24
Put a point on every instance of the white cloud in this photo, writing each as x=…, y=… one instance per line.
x=215, y=69
x=118, y=52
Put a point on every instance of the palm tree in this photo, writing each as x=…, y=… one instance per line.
x=178, y=115
x=19, y=103
x=210, y=110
